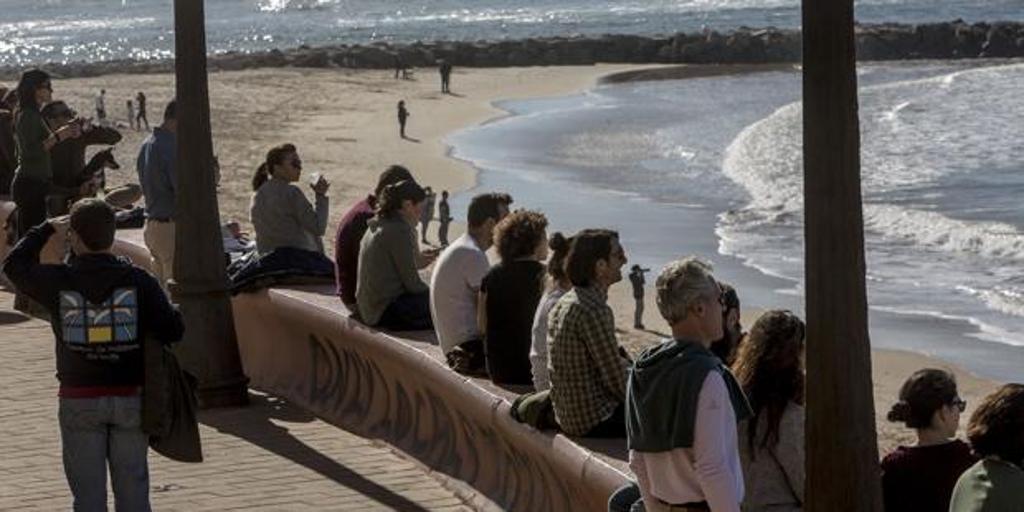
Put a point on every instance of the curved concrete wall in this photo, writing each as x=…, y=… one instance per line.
x=382, y=387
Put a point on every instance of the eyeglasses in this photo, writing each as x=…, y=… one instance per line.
x=960, y=404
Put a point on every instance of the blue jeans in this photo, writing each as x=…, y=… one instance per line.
x=96, y=432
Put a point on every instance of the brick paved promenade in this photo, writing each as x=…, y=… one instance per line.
x=269, y=456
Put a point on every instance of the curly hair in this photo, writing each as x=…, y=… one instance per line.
x=769, y=369
x=997, y=425
x=519, y=234
x=925, y=392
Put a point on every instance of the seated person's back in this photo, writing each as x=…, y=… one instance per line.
x=769, y=368
x=350, y=233
x=996, y=433
x=455, y=285
x=389, y=291
x=511, y=292
x=280, y=213
x=586, y=364
x=684, y=404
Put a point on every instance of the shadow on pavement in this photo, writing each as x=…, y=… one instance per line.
x=253, y=424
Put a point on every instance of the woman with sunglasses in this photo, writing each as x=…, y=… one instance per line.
x=280, y=214
x=770, y=369
x=34, y=140
x=921, y=477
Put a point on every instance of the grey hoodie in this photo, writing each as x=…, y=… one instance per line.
x=387, y=266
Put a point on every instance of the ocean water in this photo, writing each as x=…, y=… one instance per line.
x=713, y=166
x=37, y=31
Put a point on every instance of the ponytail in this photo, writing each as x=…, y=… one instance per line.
x=274, y=157
x=260, y=177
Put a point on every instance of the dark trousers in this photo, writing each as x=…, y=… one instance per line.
x=625, y=498
x=409, y=312
x=614, y=426
x=30, y=196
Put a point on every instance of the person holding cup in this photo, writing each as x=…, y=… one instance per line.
x=280, y=213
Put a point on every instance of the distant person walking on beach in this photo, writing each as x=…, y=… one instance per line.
x=101, y=308
x=131, y=113
x=922, y=476
x=428, y=213
x=445, y=69
x=156, y=166
x=636, y=278
x=101, y=107
x=444, y=212
x=403, y=116
x=141, y=116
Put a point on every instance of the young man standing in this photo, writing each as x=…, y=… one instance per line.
x=587, y=365
x=156, y=166
x=101, y=309
x=636, y=278
x=683, y=404
x=455, y=285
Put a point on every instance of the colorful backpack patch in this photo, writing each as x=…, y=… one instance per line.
x=115, y=320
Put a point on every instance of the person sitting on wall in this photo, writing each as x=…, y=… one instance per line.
x=996, y=433
x=455, y=283
x=732, y=331
x=586, y=364
x=280, y=213
x=922, y=477
x=770, y=370
x=350, y=233
x=389, y=291
x=559, y=246
x=509, y=295
x=683, y=404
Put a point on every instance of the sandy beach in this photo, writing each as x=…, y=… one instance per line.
x=344, y=124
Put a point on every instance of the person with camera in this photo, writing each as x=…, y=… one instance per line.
x=68, y=157
x=636, y=278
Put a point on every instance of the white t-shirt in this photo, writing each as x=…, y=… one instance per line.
x=453, y=292
x=539, y=345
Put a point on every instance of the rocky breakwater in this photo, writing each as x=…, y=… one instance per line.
x=948, y=40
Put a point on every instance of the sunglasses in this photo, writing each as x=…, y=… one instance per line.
x=960, y=404
x=296, y=163
x=48, y=86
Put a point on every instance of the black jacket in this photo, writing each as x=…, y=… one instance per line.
x=101, y=308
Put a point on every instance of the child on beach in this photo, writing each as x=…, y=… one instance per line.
x=403, y=116
x=922, y=477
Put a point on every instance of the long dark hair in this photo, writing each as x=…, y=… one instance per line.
x=30, y=82
x=769, y=369
x=274, y=157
